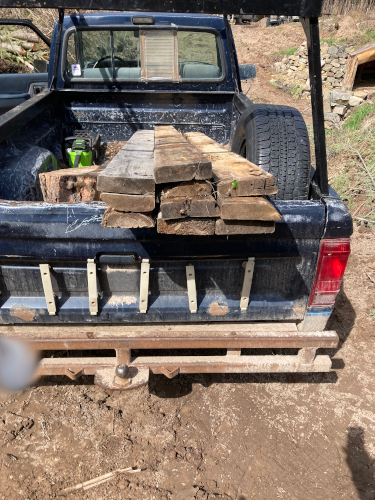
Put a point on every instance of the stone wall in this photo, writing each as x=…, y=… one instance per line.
x=294, y=68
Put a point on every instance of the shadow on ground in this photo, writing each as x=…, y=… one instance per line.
x=362, y=466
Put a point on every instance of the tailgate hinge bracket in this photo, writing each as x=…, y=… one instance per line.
x=247, y=281
x=191, y=288
x=145, y=278
x=47, y=287
x=92, y=286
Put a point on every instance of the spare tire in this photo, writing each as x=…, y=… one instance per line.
x=19, y=175
x=276, y=139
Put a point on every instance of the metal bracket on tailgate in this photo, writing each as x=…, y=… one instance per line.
x=191, y=288
x=93, y=287
x=143, y=294
x=247, y=281
x=47, y=287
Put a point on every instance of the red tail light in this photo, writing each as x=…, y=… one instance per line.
x=333, y=257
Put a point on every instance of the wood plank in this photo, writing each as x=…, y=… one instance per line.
x=193, y=206
x=176, y=160
x=227, y=227
x=129, y=202
x=184, y=227
x=247, y=208
x=70, y=185
x=228, y=167
x=190, y=188
x=132, y=170
x=127, y=220
x=350, y=74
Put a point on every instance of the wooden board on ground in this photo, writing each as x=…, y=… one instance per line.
x=176, y=160
x=227, y=227
x=187, y=227
x=193, y=206
x=129, y=202
x=247, y=208
x=190, y=188
x=132, y=170
x=70, y=185
x=361, y=56
x=228, y=167
x=126, y=220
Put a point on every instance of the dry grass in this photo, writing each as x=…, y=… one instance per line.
x=342, y=7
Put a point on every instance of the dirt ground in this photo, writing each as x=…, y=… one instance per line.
x=207, y=437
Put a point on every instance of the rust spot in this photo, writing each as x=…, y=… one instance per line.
x=218, y=310
x=23, y=312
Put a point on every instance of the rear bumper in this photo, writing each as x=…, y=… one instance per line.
x=129, y=338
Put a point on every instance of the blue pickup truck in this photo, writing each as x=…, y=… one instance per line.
x=67, y=283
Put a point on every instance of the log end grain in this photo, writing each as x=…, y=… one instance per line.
x=70, y=185
x=129, y=202
x=247, y=208
x=187, y=227
x=125, y=220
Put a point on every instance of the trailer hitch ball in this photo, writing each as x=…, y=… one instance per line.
x=123, y=376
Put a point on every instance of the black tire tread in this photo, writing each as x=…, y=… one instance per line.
x=279, y=143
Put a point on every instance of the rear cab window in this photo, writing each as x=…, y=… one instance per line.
x=167, y=55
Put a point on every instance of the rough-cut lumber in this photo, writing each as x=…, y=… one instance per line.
x=193, y=206
x=185, y=227
x=126, y=220
x=176, y=160
x=247, y=208
x=190, y=188
x=70, y=185
x=228, y=167
x=132, y=170
x=129, y=202
x=361, y=56
x=227, y=227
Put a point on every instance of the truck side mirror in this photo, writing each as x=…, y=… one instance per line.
x=248, y=71
x=40, y=66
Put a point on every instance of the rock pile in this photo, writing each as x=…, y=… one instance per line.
x=338, y=104
x=334, y=62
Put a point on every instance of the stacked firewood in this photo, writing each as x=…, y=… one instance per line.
x=22, y=46
x=187, y=185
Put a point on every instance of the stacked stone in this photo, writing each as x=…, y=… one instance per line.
x=339, y=103
x=334, y=63
x=333, y=60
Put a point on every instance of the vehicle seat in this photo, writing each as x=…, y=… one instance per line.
x=200, y=71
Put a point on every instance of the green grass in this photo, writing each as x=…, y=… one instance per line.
x=342, y=40
x=288, y=52
x=370, y=35
x=344, y=145
x=372, y=312
x=330, y=41
x=354, y=122
x=296, y=91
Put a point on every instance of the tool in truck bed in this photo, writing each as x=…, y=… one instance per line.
x=67, y=282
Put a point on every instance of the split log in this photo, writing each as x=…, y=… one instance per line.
x=132, y=170
x=25, y=35
x=247, y=208
x=233, y=174
x=126, y=220
x=129, y=202
x=187, y=227
x=227, y=227
x=193, y=206
x=176, y=160
x=29, y=46
x=190, y=188
x=13, y=49
x=70, y=185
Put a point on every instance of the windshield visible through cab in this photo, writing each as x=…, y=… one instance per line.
x=145, y=55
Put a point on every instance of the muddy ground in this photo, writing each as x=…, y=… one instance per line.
x=210, y=437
